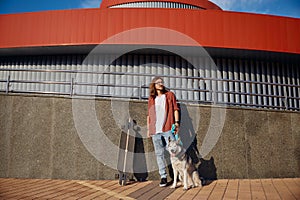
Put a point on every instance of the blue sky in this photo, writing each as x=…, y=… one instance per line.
x=289, y=8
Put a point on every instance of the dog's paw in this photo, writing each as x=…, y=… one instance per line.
x=186, y=187
x=173, y=187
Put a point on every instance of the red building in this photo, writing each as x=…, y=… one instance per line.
x=206, y=54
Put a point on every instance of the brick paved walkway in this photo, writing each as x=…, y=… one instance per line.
x=11, y=188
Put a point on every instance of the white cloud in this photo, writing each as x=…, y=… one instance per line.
x=90, y=3
x=239, y=5
x=224, y=4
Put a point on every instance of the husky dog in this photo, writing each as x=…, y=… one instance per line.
x=183, y=165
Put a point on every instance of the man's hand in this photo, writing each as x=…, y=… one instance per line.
x=177, y=128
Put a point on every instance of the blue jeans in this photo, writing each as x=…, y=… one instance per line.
x=159, y=148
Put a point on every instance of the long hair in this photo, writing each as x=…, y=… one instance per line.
x=152, y=89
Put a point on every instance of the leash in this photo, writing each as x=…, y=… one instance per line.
x=176, y=135
x=181, y=155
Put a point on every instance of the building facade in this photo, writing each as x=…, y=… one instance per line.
x=236, y=75
x=250, y=60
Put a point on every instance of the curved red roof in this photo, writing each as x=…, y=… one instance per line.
x=210, y=28
x=199, y=3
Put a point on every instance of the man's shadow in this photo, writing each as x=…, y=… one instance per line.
x=206, y=168
x=187, y=134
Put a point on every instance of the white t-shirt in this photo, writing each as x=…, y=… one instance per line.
x=160, y=110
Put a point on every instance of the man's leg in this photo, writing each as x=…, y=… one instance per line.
x=159, y=152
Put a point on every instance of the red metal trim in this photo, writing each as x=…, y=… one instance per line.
x=209, y=28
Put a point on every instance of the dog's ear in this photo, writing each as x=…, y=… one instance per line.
x=169, y=139
x=178, y=140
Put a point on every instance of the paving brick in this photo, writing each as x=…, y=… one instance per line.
x=12, y=189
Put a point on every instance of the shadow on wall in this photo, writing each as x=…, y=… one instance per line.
x=139, y=163
x=206, y=168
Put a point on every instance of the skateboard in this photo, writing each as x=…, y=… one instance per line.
x=125, y=159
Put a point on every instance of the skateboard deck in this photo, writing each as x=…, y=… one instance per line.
x=126, y=152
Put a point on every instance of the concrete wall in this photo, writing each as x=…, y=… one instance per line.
x=39, y=139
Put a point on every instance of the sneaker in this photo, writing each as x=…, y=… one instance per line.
x=163, y=182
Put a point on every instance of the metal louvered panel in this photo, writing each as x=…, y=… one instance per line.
x=178, y=73
x=196, y=82
x=290, y=93
x=253, y=86
x=189, y=86
x=279, y=81
x=227, y=75
x=201, y=81
x=5, y=76
x=238, y=82
x=242, y=78
x=297, y=75
x=269, y=87
x=155, y=4
x=231, y=84
x=293, y=82
x=220, y=95
x=258, y=86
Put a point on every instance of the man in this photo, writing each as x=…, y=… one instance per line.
x=163, y=112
